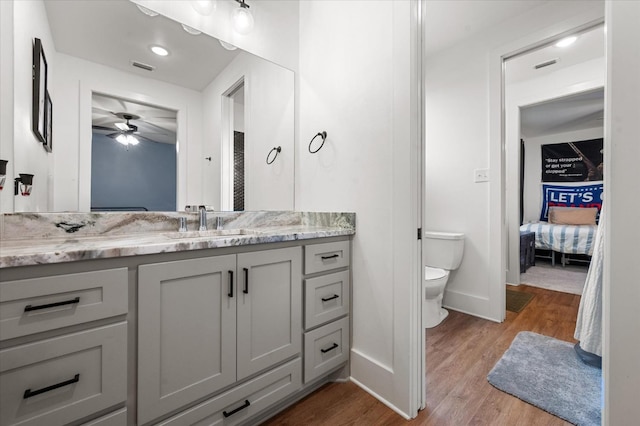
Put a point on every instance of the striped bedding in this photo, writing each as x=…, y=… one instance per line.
x=569, y=239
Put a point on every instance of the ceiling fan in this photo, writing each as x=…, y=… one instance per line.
x=127, y=133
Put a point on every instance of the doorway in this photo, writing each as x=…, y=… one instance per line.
x=234, y=170
x=554, y=111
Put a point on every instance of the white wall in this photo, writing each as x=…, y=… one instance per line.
x=356, y=83
x=459, y=139
x=533, y=166
x=77, y=79
x=621, y=362
x=29, y=156
x=6, y=102
x=269, y=122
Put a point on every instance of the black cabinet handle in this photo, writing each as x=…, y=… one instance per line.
x=330, y=348
x=242, y=407
x=326, y=299
x=246, y=281
x=333, y=256
x=51, y=305
x=230, y=294
x=29, y=393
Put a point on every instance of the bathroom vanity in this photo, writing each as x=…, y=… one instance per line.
x=118, y=319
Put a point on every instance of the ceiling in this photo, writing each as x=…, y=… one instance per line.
x=154, y=124
x=582, y=111
x=451, y=22
x=115, y=33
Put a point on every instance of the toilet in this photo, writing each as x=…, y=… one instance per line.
x=443, y=253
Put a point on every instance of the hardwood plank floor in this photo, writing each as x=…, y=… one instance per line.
x=460, y=353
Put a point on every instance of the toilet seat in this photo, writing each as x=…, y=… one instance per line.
x=433, y=273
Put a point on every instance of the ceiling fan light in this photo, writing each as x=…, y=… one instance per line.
x=122, y=139
x=204, y=7
x=132, y=140
x=242, y=19
x=122, y=126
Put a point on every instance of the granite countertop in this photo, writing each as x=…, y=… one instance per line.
x=33, y=239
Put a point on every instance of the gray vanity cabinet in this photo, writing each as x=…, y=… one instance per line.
x=207, y=323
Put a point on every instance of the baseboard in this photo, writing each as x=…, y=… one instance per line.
x=469, y=304
x=381, y=399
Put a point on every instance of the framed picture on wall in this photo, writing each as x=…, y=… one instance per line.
x=39, y=76
x=48, y=128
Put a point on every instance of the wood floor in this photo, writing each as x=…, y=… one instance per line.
x=460, y=353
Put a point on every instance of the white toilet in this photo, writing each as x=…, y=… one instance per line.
x=443, y=253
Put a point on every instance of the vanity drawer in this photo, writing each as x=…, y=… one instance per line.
x=117, y=418
x=325, y=298
x=41, y=304
x=326, y=256
x=244, y=401
x=59, y=380
x=325, y=348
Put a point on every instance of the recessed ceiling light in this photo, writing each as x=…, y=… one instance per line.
x=159, y=50
x=567, y=41
x=146, y=11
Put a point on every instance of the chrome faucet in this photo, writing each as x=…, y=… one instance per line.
x=203, y=219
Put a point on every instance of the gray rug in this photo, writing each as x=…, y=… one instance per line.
x=569, y=279
x=547, y=373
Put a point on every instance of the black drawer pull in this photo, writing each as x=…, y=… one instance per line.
x=330, y=348
x=230, y=294
x=242, y=407
x=245, y=290
x=29, y=393
x=333, y=256
x=326, y=299
x=51, y=305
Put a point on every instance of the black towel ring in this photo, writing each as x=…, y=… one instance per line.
x=323, y=135
x=277, y=151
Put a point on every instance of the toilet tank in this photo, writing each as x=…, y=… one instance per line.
x=443, y=249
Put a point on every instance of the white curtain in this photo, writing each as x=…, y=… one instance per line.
x=589, y=323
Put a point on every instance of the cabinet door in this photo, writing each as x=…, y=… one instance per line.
x=186, y=332
x=269, y=308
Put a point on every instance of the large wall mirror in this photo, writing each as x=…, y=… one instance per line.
x=108, y=85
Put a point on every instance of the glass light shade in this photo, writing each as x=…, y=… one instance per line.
x=132, y=140
x=567, y=41
x=122, y=139
x=146, y=11
x=204, y=7
x=191, y=30
x=242, y=20
x=227, y=46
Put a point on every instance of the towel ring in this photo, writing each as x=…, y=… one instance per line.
x=323, y=135
x=277, y=151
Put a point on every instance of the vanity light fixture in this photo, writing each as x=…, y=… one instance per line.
x=23, y=184
x=204, y=7
x=146, y=11
x=227, y=46
x=159, y=50
x=191, y=30
x=567, y=41
x=242, y=18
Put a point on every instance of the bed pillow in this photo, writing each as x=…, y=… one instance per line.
x=573, y=215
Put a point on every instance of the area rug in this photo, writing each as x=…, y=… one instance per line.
x=517, y=300
x=547, y=373
x=569, y=279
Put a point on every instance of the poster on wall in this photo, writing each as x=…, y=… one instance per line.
x=581, y=195
x=572, y=161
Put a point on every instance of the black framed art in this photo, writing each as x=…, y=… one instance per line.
x=38, y=107
x=48, y=119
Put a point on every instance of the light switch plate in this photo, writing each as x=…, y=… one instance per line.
x=481, y=175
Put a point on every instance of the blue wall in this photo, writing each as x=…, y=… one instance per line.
x=143, y=175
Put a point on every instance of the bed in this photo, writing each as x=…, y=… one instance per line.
x=564, y=239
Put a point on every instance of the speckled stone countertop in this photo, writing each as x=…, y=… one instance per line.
x=43, y=238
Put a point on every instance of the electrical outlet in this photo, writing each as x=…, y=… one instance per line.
x=481, y=175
